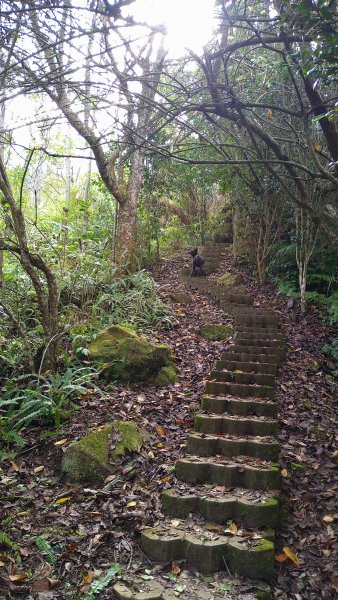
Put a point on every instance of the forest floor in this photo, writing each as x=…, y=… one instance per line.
x=90, y=528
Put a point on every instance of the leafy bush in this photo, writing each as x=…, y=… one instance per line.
x=131, y=300
x=45, y=398
x=332, y=350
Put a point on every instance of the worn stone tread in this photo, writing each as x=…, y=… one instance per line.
x=248, y=473
x=246, y=378
x=208, y=444
x=239, y=406
x=247, y=554
x=246, y=367
x=239, y=389
x=235, y=425
x=251, y=508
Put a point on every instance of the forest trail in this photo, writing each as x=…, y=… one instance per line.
x=223, y=510
x=94, y=527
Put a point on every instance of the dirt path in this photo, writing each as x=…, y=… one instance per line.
x=98, y=527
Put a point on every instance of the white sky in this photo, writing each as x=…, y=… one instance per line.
x=189, y=23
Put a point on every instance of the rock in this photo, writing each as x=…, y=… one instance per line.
x=216, y=332
x=231, y=279
x=166, y=376
x=92, y=457
x=128, y=356
x=180, y=297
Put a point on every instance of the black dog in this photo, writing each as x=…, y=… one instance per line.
x=197, y=263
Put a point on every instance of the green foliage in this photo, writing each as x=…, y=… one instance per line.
x=46, y=549
x=131, y=300
x=46, y=398
x=99, y=585
x=332, y=350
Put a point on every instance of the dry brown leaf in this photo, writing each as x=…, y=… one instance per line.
x=291, y=555
x=18, y=577
x=160, y=430
x=281, y=558
x=175, y=569
x=89, y=577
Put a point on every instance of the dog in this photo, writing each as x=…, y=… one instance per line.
x=197, y=263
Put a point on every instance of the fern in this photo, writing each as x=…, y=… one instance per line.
x=100, y=584
x=46, y=549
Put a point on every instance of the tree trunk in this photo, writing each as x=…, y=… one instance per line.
x=125, y=241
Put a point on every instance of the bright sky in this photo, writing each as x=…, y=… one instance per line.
x=189, y=23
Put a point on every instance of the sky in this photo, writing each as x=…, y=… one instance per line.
x=189, y=23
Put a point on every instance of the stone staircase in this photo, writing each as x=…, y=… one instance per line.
x=222, y=513
x=223, y=510
x=211, y=254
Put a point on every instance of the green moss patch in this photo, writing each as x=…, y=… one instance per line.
x=216, y=332
x=166, y=376
x=92, y=457
x=231, y=279
x=180, y=297
x=127, y=356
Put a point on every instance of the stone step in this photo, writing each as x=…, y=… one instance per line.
x=246, y=554
x=202, y=444
x=253, y=310
x=257, y=330
x=246, y=367
x=256, y=342
x=229, y=298
x=247, y=357
x=275, y=352
x=259, y=335
x=242, y=407
x=256, y=320
x=246, y=378
x=235, y=425
x=250, y=473
x=252, y=508
x=241, y=390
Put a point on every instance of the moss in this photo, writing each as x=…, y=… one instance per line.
x=180, y=297
x=231, y=279
x=215, y=331
x=92, y=457
x=264, y=546
x=166, y=376
x=263, y=595
x=297, y=468
x=128, y=356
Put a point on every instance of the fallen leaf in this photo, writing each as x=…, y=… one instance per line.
x=18, y=577
x=151, y=454
x=63, y=500
x=166, y=479
x=291, y=555
x=175, y=569
x=131, y=504
x=89, y=577
x=284, y=473
x=330, y=518
x=281, y=558
x=14, y=465
x=175, y=522
x=38, y=469
x=233, y=528
x=61, y=442
x=160, y=430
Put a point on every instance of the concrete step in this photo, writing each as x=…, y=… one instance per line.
x=216, y=424
x=203, y=444
x=249, y=473
x=252, y=508
x=259, y=335
x=241, y=390
x=246, y=554
x=262, y=342
x=256, y=320
x=259, y=330
x=246, y=378
x=242, y=407
x=249, y=357
x=246, y=367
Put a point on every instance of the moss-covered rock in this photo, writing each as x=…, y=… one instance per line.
x=180, y=297
x=166, y=376
x=128, y=356
x=231, y=279
x=216, y=331
x=92, y=457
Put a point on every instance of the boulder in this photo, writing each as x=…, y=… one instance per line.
x=127, y=356
x=92, y=458
x=166, y=376
x=231, y=279
x=180, y=297
x=216, y=332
